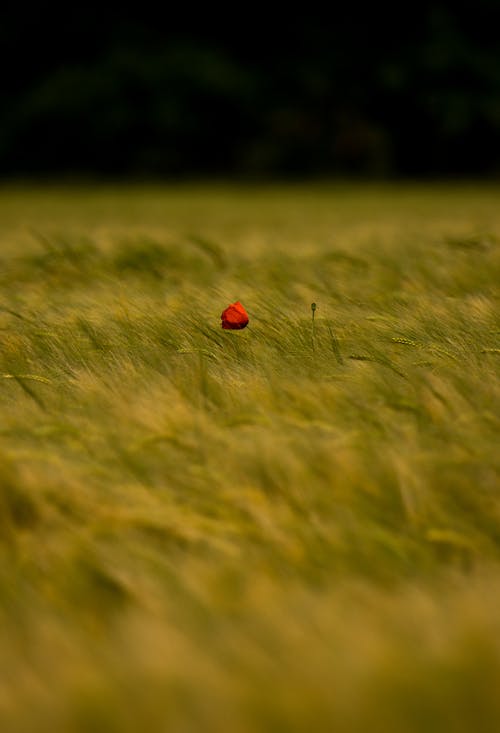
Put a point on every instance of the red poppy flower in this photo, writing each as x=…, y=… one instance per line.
x=234, y=317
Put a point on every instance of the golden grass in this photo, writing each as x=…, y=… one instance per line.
x=267, y=530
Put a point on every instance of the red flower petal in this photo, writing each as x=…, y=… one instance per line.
x=234, y=317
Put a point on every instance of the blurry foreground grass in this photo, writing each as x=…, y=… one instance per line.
x=266, y=530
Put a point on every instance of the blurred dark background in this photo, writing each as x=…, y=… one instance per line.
x=411, y=92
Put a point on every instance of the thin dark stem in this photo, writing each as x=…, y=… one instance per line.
x=313, y=311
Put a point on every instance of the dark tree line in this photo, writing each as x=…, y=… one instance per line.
x=408, y=92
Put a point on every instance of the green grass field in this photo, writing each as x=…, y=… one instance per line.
x=282, y=529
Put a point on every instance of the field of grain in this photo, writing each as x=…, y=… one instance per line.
x=294, y=527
